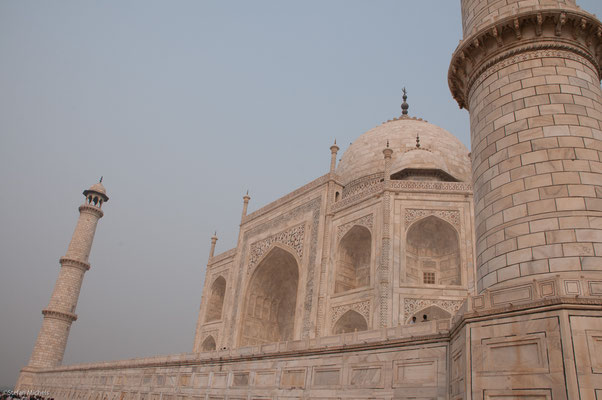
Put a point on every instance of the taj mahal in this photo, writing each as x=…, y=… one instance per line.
x=414, y=268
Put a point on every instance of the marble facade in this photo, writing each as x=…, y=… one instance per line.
x=413, y=269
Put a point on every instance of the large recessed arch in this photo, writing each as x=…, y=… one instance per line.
x=216, y=300
x=351, y=321
x=432, y=253
x=352, y=266
x=271, y=300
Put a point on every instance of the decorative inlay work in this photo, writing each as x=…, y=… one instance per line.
x=451, y=216
x=366, y=221
x=410, y=306
x=313, y=207
x=430, y=185
x=400, y=186
x=361, y=184
x=362, y=307
x=292, y=237
x=359, y=196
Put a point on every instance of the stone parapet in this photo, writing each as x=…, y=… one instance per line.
x=477, y=14
x=498, y=341
x=323, y=180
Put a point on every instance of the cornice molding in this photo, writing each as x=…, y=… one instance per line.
x=573, y=32
x=64, y=316
x=70, y=262
x=97, y=212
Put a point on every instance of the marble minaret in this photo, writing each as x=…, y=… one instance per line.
x=60, y=313
x=529, y=74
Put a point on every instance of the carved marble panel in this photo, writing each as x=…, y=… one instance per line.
x=411, y=305
x=362, y=307
x=367, y=221
x=451, y=216
x=292, y=237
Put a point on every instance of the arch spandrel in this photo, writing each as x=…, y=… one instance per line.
x=432, y=312
x=351, y=321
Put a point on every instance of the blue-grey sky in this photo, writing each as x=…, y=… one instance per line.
x=183, y=106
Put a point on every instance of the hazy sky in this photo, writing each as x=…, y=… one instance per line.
x=183, y=106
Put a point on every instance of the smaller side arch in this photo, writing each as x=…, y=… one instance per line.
x=208, y=344
x=216, y=300
x=351, y=321
x=353, y=260
x=431, y=313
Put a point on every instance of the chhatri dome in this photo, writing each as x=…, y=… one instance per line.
x=420, y=151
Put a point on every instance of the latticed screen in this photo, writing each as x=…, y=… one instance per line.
x=429, y=278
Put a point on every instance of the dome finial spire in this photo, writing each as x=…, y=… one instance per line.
x=100, y=181
x=404, y=105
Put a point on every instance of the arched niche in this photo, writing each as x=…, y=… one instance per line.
x=216, y=300
x=208, y=344
x=431, y=313
x=352, y=269
x=271, y=300
x=432, y=253
x=351, y=321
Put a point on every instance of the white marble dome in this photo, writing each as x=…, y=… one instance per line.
x=439, y=150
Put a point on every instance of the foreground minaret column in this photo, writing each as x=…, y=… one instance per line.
x=529, y=74
x=60, y=313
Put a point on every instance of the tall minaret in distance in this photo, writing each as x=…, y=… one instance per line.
x=50, y=346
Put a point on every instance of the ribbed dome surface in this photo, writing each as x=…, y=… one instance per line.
x=439, y=149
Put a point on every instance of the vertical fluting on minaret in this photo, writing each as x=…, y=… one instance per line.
x=60, y=312
x=529, y=74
